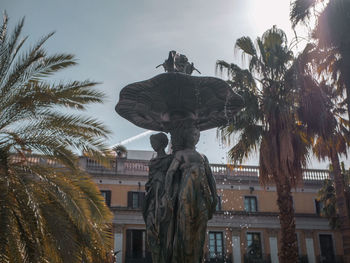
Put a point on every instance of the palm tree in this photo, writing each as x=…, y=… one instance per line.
x=50, y=210
x=332, y=36
x=330, y=144
x=333, y=61
x=269, y=123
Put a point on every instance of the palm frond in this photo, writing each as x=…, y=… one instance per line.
x=245, y=44
x=248, y=141
x=24, y=67
x=9, y=50
x=3, y=29
x=301, y=11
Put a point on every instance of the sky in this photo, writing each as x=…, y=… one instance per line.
x=117, y=42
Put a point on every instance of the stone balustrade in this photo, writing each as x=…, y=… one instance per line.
x=140, y=167
x=315, y=174
x=228, y=171
x=35, y=159
x=136, y=165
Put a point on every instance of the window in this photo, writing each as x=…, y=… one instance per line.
x=135, y=244
x=254, y=250
x=215, y=245
x=218, y=205
x=135, y=199
x=250, y=204
x=326, y=246
x=107, y=196
x=318, y=207
x=298, y=244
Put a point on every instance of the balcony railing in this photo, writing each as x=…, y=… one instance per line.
x=253, y=171
x=35, y=159
x=264, y=258
x=334, y=259
x=140, y=167
x=227, y=258
x=135, y=165
x=122, y=166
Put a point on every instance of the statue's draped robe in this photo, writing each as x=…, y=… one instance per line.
x=193, y=205
x=154, y=210
x=176, y=216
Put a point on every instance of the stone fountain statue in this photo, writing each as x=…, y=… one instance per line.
x=181, y=191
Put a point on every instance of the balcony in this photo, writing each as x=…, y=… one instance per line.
x=265, y=258
x=227, y=258
x=221, y=171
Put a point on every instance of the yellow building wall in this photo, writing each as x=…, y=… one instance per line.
x=119, y=193
x=232, y=200
x=266, y=200
x=304, y=202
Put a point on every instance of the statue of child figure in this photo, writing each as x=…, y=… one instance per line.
x=153, y=210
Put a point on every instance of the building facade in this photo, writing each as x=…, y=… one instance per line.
x=245, y=227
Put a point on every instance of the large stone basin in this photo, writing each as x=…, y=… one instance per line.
x=156, y=103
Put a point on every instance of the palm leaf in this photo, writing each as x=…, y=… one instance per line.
x=301, y=11
x=245, y=44
x=50, y=210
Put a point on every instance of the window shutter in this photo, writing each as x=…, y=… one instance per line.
x=129, y=199
x=141, y=199
x=108, y=198
x=128, y=242
x=218, y=205
x=318, y=207
x=253, y=204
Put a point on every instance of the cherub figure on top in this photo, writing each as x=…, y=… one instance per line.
x=178, y=63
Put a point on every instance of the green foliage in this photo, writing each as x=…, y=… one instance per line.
x=332, y=38
x=301, y=11
x=327, y=196
x=269, y=123
x=120, y=150
x=50, y=210
x=277, y=120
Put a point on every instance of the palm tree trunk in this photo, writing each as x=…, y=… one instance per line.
x=4, y=206
x=341, y=202
x=289, y=248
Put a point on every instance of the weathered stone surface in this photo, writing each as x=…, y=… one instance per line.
x=155, y=103
x=156, y=227
x=195, y=201
x=181, y=191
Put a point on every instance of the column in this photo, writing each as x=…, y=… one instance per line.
x=272, y=234
x=273, y=249
x=236, y=247
x=118, y=243
x=310, y=249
